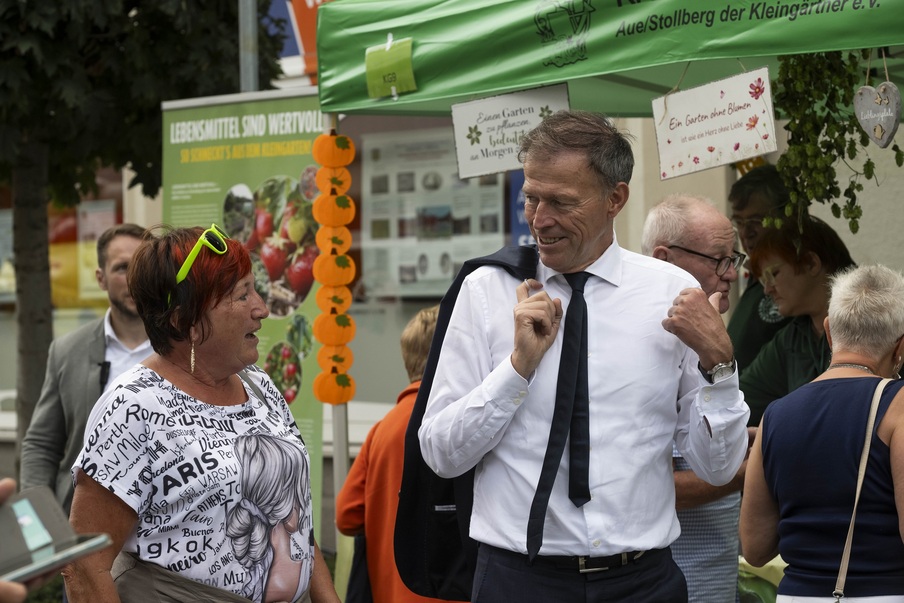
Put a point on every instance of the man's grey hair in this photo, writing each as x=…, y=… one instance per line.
x=866, y=310
x=607, y=149
x=669, y=221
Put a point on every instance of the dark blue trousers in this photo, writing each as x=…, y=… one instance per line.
x=503, y=577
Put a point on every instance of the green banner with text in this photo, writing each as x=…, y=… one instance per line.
x=616, y=55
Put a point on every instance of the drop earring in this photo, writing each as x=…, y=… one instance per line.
x=192, y=357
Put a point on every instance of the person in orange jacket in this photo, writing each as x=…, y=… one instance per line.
x=368, y=501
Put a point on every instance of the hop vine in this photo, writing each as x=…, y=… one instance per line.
x=815, y=92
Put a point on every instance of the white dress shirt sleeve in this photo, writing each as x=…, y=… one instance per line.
x=712, y=424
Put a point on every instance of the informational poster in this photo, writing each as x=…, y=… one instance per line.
x=716, y=124
x=488, y=131
x=419, y=220
x=244, y=162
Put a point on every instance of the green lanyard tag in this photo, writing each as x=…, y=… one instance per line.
x=388, y=69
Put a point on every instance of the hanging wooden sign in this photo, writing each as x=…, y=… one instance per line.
x=879, y=112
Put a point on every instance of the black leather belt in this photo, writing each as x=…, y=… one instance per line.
x=586, y=565
x=581, y=564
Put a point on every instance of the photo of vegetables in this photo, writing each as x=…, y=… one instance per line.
x=275, y=222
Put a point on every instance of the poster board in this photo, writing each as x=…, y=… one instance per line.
x=227, y=160
x=419, y=220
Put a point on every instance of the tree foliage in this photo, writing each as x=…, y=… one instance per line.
x=815, y=92
x=81, y=87
x=88, y=76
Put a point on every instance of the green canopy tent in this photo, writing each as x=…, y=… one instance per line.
x=615, y=55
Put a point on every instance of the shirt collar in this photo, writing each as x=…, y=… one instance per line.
x=110, y=336
x=109, y=333
x=607, y=267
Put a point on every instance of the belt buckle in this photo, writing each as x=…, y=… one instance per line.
x=583, y=569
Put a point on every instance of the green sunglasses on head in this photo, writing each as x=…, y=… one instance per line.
x=214, y=239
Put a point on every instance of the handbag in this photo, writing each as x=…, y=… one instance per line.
x=846, y=555
x=138, y=580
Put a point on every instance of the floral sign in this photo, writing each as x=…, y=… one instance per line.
x=715, y=124
x=488, y=131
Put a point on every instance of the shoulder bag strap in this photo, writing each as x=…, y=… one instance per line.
x=257, y=392
x=846, y=555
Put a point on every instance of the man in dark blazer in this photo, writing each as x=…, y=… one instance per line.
x=80, y=365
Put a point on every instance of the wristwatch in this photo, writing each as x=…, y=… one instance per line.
x=720, y=372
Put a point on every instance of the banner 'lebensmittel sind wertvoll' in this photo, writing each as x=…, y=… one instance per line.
x=244, y=162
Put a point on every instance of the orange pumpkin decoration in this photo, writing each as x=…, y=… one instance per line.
x=333, y=150
x=333, y=239
x=334, y=329
x=331, y=209
x=334, y=270
x=329, y=178
x=334, y=387
x=338, y=356
x=334, y=299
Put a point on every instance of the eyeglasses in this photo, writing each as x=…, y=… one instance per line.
x=214, y=239
x=722, y=264
x=768, y=274
x=742, y=223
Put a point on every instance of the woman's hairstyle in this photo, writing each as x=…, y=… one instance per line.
x=608, y=150
x=866, y=310
x=169, y=310
x=794, y=241
x=416, y=338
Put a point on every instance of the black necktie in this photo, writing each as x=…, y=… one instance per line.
x=572, y=412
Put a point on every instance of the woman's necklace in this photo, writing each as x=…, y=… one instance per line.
x=861, y=367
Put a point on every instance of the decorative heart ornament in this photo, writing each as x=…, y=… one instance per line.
x=879, y=112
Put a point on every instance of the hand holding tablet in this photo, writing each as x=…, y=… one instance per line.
x=38, y=539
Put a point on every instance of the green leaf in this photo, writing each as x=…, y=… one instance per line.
x=869, y=169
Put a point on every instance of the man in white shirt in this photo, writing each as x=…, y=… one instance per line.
x=689, y=232
x=80, y=366
x=660, y=369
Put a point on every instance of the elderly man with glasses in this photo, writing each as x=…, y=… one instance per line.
x=691, y=233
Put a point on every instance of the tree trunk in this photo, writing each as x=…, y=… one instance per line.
x=32, y=263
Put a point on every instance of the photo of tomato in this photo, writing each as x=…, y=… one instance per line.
x=276, y=224
x=284, y=367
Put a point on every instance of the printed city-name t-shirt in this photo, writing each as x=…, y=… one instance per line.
x=222, y=493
